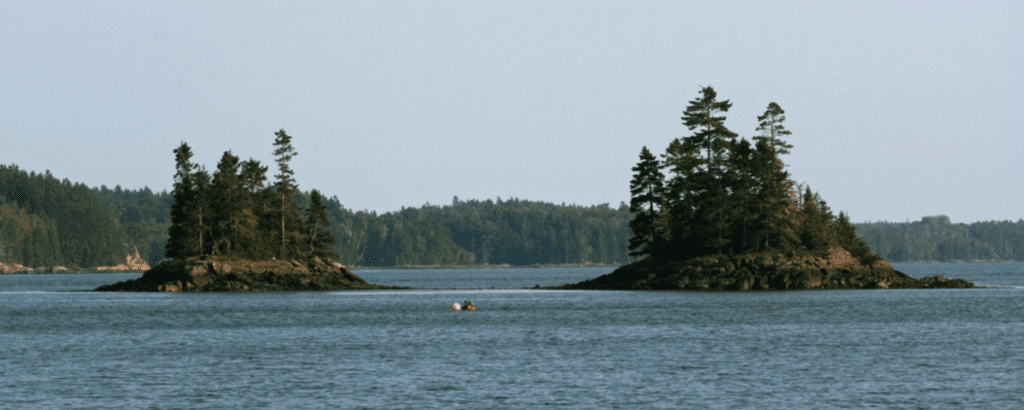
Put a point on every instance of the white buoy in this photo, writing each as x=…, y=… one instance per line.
x=456, y=306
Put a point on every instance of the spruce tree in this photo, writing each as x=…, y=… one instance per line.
x=255, y=230
x=846, y=237
x=646, y=203
x=201, y=206
x=227, y=210
x=815, y=221
x=772, y=204
x=682, y=159
x=320, y=239
x=182, y=241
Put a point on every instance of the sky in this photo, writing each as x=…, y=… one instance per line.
x=898, y=110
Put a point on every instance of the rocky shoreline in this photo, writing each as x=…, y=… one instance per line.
x=215, y=274
x=763, y=271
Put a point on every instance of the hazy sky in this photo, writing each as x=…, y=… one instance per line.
x=897, y=111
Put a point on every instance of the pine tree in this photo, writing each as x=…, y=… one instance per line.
x=320, y=239
x=646, y=205
x=286, y=190
x=711, y=134
x=772, y=130
x=711, y=221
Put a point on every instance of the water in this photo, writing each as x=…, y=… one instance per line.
x=62, y=348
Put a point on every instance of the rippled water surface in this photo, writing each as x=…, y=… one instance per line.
x=61, y=347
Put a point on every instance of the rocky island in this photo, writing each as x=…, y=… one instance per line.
x=221, y=274
x=727, y=216
x=232, y=232
x=763, y=271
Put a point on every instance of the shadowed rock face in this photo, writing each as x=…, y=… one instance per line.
x=215, y=274
x=763, y=272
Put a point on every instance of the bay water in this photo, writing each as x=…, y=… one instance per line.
x=62, y=346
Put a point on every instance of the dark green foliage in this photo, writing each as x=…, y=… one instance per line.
x=320, y=239
x=235, y=213
x=772, y=130
x=227, y=211
x=183, y=234
x=46, y=222
x=291, y=240
x=646, y=203
x=145, y=217
x=815, y=223
x=726, y=196
x=846, y=236
x=937, y=239
x=710, y=133
x=699, y=194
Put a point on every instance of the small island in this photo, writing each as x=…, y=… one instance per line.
x=763, y=271
x=233, y=232
x=225, y=274
x=728, y=217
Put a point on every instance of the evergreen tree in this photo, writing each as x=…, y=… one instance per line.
x=701, y=116
x=772, y=204
x=287, y=191
x=181, y=242
x=682, y=159
x=255, y=228
x=846, y=237
x=646, y=204
x=711, y=221
x=202, y=209
x=227, y=210
x=815, y=221
x=320, y=238
x=772, y=130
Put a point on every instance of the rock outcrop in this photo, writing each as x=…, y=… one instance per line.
x=217, y=274
x=7, y=268
x=132, y=263
x=763, y=271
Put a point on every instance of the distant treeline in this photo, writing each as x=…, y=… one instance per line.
x=935, y=238
x=48, y=222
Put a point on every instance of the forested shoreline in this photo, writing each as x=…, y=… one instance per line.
x=46, y=222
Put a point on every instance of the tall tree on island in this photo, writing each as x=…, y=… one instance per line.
x=183, y=232
x=254, y=231
x=702, y=117
x=772, y=204
x=713, y=211
x=320, y=239
x=228, y=208
x=286, y=190
x=772, y=130
x=646, y=203
x=203, y=212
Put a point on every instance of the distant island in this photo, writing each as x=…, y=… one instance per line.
x=728, y=217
